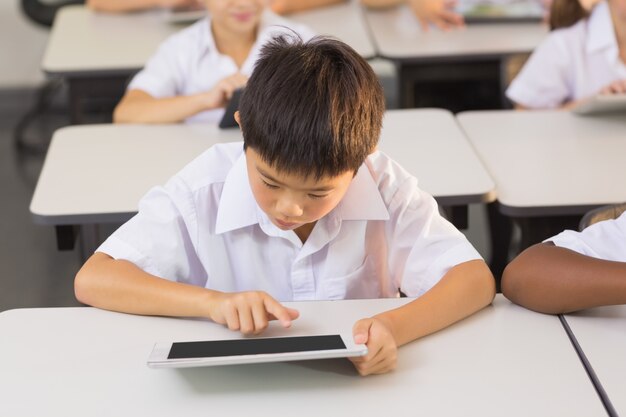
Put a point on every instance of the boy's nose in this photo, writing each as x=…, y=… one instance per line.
x=289, y=208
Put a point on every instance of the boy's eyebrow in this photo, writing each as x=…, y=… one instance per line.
x=269, y=177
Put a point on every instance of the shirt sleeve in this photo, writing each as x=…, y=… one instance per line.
x=160, y=238
x=543, y=82
x=603, y=240
x=425, y=246
x=161, y=76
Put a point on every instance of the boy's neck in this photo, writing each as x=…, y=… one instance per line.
x=304, y=231
x=234, y=44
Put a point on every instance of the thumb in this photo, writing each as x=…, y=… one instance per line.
x=361, y=331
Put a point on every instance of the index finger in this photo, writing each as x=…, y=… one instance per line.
x=278, y=311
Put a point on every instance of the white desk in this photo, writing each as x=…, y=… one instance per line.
x=601, y=334
x=431, y=146
x=505, y=360
x=399, y=36
x=469, y=63
x=547, y=163
x=98, y=173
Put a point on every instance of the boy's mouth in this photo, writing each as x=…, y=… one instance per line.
x=285, y=225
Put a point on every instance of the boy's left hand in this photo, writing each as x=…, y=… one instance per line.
x=382, y=349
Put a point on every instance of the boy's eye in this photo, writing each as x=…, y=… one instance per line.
x=316, y=196
x=270, y=186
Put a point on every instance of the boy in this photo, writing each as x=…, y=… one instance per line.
x=571, y=271
x=308, y=209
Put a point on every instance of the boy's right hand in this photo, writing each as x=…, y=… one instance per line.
x=249, y=312
x=223, y=91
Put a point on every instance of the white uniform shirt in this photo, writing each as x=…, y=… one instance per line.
x=603, y=240
x=571, y=64
x=188, y=62
x=205, y=228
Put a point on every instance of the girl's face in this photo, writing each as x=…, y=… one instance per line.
x=236, y=16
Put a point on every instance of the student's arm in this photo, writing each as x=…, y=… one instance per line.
x=137, y=106
x=119, y=285
x=463, y=290
x=117, y=6
x=438, y=12
x=291, y=6
x=555, y=280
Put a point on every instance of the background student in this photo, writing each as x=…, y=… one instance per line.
x=194, y=73
x=577, y=62
x=438, y=12
x=278, y=6
x=571, y=271
x=306, y=208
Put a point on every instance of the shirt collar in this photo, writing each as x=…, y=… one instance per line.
x=601, y=34
x=238, y=208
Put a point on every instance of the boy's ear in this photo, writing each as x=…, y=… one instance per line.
x=237, y=119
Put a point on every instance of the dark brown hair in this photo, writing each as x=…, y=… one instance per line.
x=312, y=108
x=564, y=13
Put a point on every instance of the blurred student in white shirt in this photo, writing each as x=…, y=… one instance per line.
x=194, y=72
x=575, y=62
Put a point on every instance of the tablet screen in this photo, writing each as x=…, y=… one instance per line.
x=238, y=347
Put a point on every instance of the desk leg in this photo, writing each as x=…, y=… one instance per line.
x=66, y=236
x=458, y=216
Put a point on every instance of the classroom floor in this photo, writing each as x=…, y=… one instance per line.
x=34, y=273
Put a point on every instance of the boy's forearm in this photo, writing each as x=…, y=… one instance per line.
x=554, y=280
x=121, y=286
x=465, y=289
x=147, y=109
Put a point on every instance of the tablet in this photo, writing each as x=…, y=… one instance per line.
x=253, y=350
x=602, y=103
x=501, y=11
x=228, y=119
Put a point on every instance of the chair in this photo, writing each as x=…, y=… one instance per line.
x=43, y=13
x=609, y=212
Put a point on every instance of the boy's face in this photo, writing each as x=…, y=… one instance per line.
x=291, y=201
x=236, y=15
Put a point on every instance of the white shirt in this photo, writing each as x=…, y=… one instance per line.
x=205, y=228
x=188, y=62
x=603, y=240
x=571, y=64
